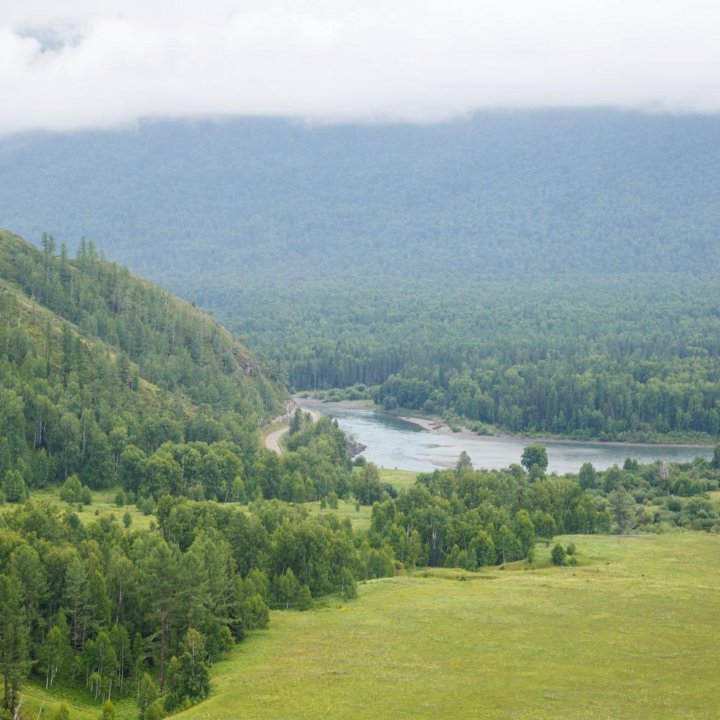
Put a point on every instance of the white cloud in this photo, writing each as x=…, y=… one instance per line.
x=100, y=63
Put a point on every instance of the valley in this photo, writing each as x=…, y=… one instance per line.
x=176, y=540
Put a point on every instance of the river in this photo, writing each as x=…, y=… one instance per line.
x=395, y=443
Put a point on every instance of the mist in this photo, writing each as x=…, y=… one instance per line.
x=81, y=64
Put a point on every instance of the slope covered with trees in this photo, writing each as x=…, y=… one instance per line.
x=95, y=361
x=109, y=382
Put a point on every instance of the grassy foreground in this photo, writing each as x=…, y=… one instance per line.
x=631, y=632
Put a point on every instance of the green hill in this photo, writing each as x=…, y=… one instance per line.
x=113, y=388
x=94, y=360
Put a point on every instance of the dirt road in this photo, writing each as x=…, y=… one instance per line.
x=272, y=440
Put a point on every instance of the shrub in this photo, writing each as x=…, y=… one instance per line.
x=558, y=554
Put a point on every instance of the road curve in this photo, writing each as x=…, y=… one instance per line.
x=272, y=440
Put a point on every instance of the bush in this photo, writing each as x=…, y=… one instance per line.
x=13, y=487
x=74, y=492
x=558, y=554
x=147, y=506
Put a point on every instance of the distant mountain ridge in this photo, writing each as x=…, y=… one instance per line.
x=513, y=194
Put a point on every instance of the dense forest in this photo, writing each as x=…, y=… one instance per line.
x=550, y=272
x=608, y=358
x=200, y=205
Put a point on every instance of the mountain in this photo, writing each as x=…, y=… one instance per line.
x=550, y=272
x=250, y=200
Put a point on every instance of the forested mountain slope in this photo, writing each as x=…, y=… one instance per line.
x=525, y=193
x=533, y=271
x=109, y=383
x=95, y=360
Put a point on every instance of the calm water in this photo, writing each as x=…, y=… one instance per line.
x=395, y=443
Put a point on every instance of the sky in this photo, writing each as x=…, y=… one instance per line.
x=75, y=64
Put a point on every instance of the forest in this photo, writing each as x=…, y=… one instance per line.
x=540, y=272
x=621, y=358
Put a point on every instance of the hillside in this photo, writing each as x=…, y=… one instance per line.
x=114, y=391
x=96, y=360
x=526, y=194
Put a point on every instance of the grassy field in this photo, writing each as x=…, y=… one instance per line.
x=629, y=633
x=400, y=479
x=360, y=518
x=103, y=504
x=38, y=704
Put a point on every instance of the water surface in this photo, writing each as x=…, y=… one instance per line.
x=395, y=443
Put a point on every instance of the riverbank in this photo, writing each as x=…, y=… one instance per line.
x=422, y=444
x=436, y=424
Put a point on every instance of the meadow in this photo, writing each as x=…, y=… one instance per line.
x=630, y=632
x=103, y=505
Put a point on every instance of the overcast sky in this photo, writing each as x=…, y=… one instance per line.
x=68, y=64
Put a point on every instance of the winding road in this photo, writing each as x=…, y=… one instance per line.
x=272, y=440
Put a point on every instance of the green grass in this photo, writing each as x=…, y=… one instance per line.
x=629, y=633
x=360, y=519
x=103, y=504
x=36, y=702
x=399, y=479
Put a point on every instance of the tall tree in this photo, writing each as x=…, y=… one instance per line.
x=13, y=641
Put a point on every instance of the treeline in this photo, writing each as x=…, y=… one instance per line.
x=593, y=397
x=471, y=518
x=145, y=613
x=315, y=467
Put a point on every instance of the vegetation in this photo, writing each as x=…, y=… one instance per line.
x=550, y=272
x=629, y=621
x=112, y=387
x=478, y=271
